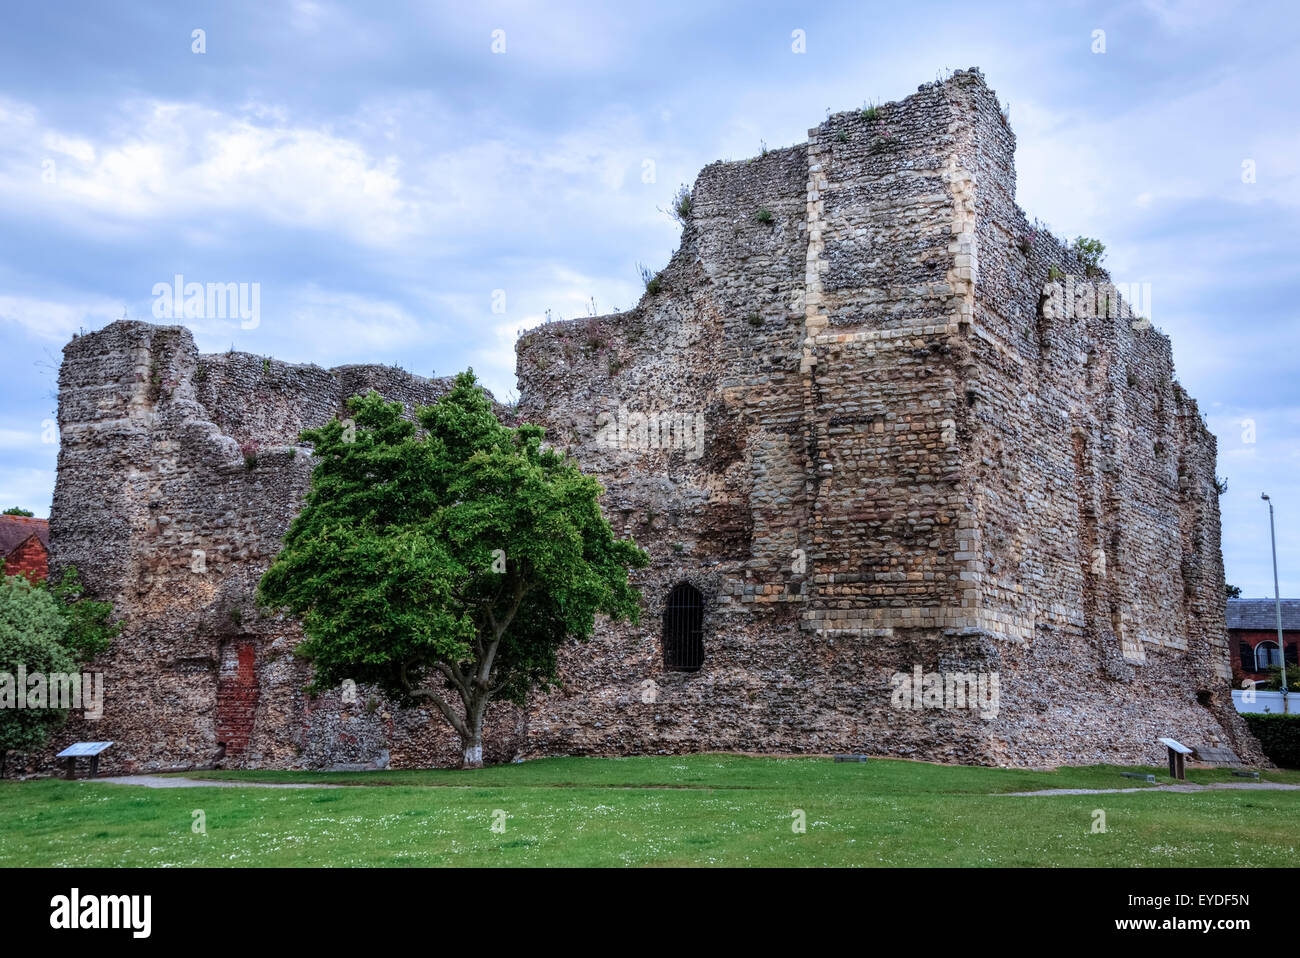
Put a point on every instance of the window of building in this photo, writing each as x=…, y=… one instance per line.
x=684, y=629
x=1266, y=656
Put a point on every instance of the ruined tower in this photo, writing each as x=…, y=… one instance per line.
x=858, y=428
x=913, y=458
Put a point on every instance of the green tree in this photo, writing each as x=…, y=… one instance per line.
x=448, y=564
x=17, y=511
x=47, y=627
x=32, y=629
x=1233, y=591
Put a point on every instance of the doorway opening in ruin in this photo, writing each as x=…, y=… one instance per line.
x=684, y=629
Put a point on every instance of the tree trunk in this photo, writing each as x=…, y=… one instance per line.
x=472, y=739
x=473, y=756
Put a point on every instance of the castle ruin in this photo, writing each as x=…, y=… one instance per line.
x=870, y=423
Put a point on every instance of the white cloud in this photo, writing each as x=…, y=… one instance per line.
x=57, y=320
x=1073, y=165
x=1180, y=15
x=348, y=324
x=169, y=162
x=214, y=174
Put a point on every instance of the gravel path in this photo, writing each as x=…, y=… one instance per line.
x=158, y=781
x=1256, y=786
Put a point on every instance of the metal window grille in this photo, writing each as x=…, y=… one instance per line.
x=684, y=629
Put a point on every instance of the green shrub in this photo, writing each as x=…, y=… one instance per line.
x=1090, y=251
x=653, y=282
x=33, y=635
x=682, y=204
x=764, y=215
x=1279, y=737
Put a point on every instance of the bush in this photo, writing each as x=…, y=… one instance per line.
x=1279, y=736
x=1274, y=681
x=1090, y=251
x=682, y=204
x=652, y=280
x=32, y=632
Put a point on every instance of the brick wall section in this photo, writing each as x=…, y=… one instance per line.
x=29, y=558
x=237, y=692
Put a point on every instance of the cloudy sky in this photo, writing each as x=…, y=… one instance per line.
x=381, y=172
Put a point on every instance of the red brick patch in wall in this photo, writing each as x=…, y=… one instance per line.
x=237, y=693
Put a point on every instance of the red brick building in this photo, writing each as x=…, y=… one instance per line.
x=1252, y=636
x=25, y=546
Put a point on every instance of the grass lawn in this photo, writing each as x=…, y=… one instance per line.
x=663, y=810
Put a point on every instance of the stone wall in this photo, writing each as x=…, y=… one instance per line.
x=846, y=412
x=910, y=460
x=178, y=477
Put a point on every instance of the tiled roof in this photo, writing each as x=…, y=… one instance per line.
x=15, y=530
x=1257, y=614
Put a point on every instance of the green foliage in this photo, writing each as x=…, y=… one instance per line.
x=1054, y=273
x=32, y=633
x=1232, y=591
x=454, y=558
x=764, y=215
x=653, y=282
x=1220, y=485
x=90, y=626
x=1274, y=681
x=15, y=511
x=754, y=320
x=682, y=204
x=1090, y=252
x=870, y=112
x=1279, y=736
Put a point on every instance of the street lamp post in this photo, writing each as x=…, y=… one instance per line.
x=1277, y=600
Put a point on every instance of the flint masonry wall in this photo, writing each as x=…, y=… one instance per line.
x=843, y=412
x=909, y=460
x=178, y=477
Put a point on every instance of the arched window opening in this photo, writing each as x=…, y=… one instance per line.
x=1266, y=656
x=684, y=629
